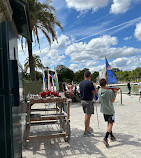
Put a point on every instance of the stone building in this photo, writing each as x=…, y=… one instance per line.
x=14, y=21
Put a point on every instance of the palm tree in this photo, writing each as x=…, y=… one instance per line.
x=37, y=62
x=42, y=17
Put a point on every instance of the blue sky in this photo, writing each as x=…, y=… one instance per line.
x=92, y=30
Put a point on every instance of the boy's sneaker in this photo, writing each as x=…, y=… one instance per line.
x=91, y=129
x=112, y=139
x=88, y=134
x=105, y=141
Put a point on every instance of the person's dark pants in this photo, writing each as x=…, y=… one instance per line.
x=129, y=91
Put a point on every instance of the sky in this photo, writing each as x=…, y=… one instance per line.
x=93, y=29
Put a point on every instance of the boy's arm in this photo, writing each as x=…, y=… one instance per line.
x=94, y=91
x=115, y=94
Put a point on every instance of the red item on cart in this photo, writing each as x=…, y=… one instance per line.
x=48, y=93
x=56, y=94
x=43, y=94
x=52, y=93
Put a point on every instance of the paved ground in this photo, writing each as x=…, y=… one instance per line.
x=127, y=130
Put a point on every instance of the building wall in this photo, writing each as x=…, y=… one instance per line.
x=13, y=44
x=5, y=11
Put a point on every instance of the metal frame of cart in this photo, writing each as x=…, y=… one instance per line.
x=62, y=109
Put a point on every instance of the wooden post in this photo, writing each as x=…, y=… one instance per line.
x=68, y=114
x=56, y=108
x=28, y=120
x=121, y=95
x=61, y=107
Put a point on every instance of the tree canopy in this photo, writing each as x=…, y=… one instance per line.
x=43, y=17
x=37, y=62
x=68, y=75
x=64, y=73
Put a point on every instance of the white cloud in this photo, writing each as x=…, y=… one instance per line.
x=63, y=42
x=127, y=38
x=81, y=5
x=123, y=63
x=54, y=56
x=138, y=31
x=91, y=64
x=98, y=68
x=50, y=56
x=75, y=67
x=126, y=63
x=120, y=6
x=52, y=62
x=120, y=62
x=88, y=54
x=98, y=48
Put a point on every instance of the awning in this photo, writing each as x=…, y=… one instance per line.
x=21, y=17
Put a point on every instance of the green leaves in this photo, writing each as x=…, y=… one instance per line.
x=37, y=62
x=43, y=17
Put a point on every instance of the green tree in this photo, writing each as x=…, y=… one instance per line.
x=64, y=73
x=79, y=75
x=37, y=62
x=26, y=76
x=42, y=17
x=94, y=76
x=39, y=75
x=137, y=72
x=126, y=75
x=116, y=70
x=119, y=75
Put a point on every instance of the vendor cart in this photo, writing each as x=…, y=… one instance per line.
x=57, y=113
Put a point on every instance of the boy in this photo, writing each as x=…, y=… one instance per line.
x=107, y=97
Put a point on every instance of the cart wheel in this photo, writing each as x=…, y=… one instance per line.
x=66, y=140
x=69, y=131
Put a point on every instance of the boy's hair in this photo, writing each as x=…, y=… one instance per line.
x=98, y=87
x=102, y=82
x=87, y=74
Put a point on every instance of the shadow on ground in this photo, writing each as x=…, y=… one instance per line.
x=78, y=145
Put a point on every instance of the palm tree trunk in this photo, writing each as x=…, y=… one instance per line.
x=31, y=62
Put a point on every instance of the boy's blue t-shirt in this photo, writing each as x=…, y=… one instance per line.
x=86, y=88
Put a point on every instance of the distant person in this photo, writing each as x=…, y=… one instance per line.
x=107, y=97
x=87, y=92
x=75, y=89
x=78, y=88
x=96, y=95
x=70, y=87
x=76, y=94
x=129, y=87
x=64, y=87
x=139, y=85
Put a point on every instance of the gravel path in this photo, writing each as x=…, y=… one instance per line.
x=127, y=130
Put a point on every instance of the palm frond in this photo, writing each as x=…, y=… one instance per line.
x=45, y=33
x=43, y=17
